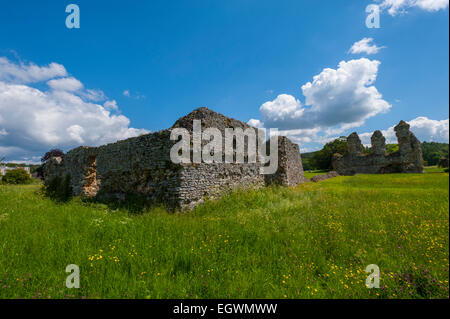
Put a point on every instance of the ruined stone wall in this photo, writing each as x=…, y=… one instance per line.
x=141, y=166
x=408, y=159
x=290, y=167
x=201, y=181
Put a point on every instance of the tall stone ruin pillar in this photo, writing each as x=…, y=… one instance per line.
x=354, y=145
x=378, y=143
x=403, y=137
x=409, y=148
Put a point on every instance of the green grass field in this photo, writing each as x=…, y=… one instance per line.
x=311, y=241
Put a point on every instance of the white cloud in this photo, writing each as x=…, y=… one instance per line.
x=425, y=129
x=303, y=136
x=365, y=45
x=29, y=73
x=134, y=95
x=396, y=7
x=338, y=99
x=70, y=84
x=432, y=5
x=63, y=116
x=346, y=95
x=65, y=84
x=285, y=110
x=94, y=95
x=255, y=123
x=111, y=105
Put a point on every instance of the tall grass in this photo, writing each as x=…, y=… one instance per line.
x=311, y=241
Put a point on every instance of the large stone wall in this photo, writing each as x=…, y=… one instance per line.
x=408, y=159
x=141, y=166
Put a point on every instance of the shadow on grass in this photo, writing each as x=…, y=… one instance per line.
x=134, y=204
x=59, y=190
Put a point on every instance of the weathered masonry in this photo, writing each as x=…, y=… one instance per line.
x=141, y=166
x=408, y=159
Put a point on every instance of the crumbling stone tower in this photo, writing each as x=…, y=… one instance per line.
x=141, y=166
x=408, y=159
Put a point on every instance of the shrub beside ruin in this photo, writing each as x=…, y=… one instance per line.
x=16, y=177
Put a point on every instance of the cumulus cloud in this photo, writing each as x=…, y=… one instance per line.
x=285, y=110
x=65, y=84
x=336, y=98
x=111, y=105
x=65, y=115
x=425, y=129
x=28, y=73
x=365, y=45
x=395, y=7
x=336, y=102
x=94, y=95
x=346, y=95
x=255, y=123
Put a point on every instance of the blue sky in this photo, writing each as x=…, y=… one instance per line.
x=155, y=61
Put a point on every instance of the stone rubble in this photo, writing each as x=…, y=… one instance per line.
x=322, y=177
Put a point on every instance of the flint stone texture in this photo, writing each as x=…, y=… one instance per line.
x=141, y=166
x=408, y=159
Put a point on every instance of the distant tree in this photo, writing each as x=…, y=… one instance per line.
x=52, y=153
x=306, y=165
x=443, y=162
x=433, y=152
x=391, y=148
x=306, y=157
x=16, y=176
x=322, y=159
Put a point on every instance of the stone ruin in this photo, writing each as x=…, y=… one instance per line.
x=408, y=159
x=141, y=166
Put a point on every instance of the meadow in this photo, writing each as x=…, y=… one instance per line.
x=310, y=241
